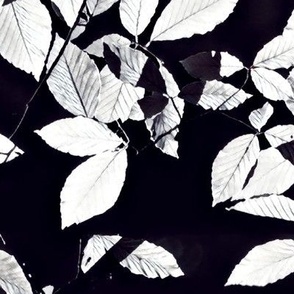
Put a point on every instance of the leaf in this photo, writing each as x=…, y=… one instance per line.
x=192, y=92
x=290, y=25
x=172, y=88
x=259, y=117
x=229, y=64
x=182, y=19
x=112, y=40
x=96, y=247
x=116, y=98
x=276, y=206
x=164, y=126
x=271, y=84
x=232, y=166
x=152, y=105
x=8, y=151
x=27, y=25
x=48, y=289
x=272, y=175
x=97, y=7
x=79, y=136
x=93, y=187
x=75, y=80
x=278, y=53
x=69, y=9
x=135, y=15
x=12, y=277
x=264, y=264
x=222, y=96
x=136, y=113
x=280, y=134
x=147, y=259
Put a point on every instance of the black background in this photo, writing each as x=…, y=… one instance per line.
x=164, y=200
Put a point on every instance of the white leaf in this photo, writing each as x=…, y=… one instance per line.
x=135, y=15
x=259, y=117
x=8, y=150
x=222, y=96
x=167, y=122
x=112, y=40
x=147, y=259
x=96, y=247
x=273, y=175
x=290, y=25
x=278, y=53
x=152, y=261
x=264, y=264
x=136, y=113
x=25, y=35
x=79, y=136
x=280, y=134
x=97, y=7
x=93, y=187
x=182, y=19
x=69, y=9
x=276, y=206
x=75, y=80
x=12, y=277
x=48, y=289
x=172, y=88
x=232, y=166
x=271, y=84
x=229, y=64
x=117, y=98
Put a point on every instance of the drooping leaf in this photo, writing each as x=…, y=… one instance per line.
x=278, y=53
x=264, y=264
x=182, y=19
x=27, y=25
x=147, y=259
x=112, y=40
x=12, y=277
x=135, y=15
x=79, y=136
x=273, y=175
x=8, y=151
x=164, y=126
x=192, y=92
x=152, y=105
x=232, y=166
x=280, y=134
x=93, y=187
x=271, y=84
x=134, y=67
x=69, y=9
x=96, y=247
x=222, y=96
x=259, y=117
x=275, y=206
x=75, y=80
x=116, y=98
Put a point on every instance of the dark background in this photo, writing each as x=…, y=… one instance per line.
x=164, y=200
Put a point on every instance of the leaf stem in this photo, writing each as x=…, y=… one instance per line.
x=47, y=75
x=238, y=120
x=124, y=133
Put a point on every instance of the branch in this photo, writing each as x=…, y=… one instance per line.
x=47, y=75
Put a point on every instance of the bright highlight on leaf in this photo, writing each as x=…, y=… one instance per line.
x=75, y=80
x=264, y=264
x=27, y=25
x=259, y=117
x=147, y=259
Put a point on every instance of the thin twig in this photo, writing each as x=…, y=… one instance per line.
x=79, y=259
x=47, y=75
x=2, y=240
x=238, y=120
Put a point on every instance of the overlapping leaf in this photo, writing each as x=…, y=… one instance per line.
x=75, y=80
x=182, y=19
x=264, y=264
x=93, y=187
x=259, y=117
x=27, y=25
x=117, y=98
x=273, y=175
x=232, y=166
x=79, y=136
x=8, y=151
x=147, y=259
x=280, y=134
x=275, y=206
x=135, y=15
x=222, y=96
x=12, y=277
x=271, y=84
